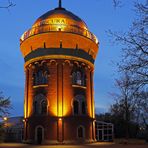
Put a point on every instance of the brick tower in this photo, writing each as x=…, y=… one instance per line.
x=59, y=53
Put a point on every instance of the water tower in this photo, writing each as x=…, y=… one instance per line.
x=59, y=53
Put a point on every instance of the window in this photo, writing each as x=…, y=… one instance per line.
x=80, y=132
x=40, y=105
x=76, y=107
x=40, y=76
x=83, y=108
x=35, y=107
x=73, y=78
x=79, y=77
x=45, y=77
x=43, y=107
x=79, y=105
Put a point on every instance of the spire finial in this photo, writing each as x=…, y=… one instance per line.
x=60, y=3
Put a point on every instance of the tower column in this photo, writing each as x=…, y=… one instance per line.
x=26, y=93
x=92, y=94
x=92, y=104
x=88, y=92
x=60, y=89
x=60, y=100
x=26, y=103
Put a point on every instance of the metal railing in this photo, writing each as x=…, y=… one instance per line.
x=58, y=27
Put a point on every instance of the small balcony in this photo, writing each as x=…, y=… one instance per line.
x=79, y=84
x=40, y=86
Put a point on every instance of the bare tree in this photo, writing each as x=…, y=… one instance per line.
x=135, y=51
x=142, y=108
x=125, y=101
x=134, y=64
x=117, y=3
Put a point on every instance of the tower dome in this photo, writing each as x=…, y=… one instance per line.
x=58, y=21
x=60, y=17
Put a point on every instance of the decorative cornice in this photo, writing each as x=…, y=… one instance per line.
x=65, y=52
x=55, y=57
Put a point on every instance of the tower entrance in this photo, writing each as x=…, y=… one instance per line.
x=39, y=135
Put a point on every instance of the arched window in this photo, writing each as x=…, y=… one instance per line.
x=34, y=79
x=84, y=80
x=40, y=77
x=44, y=107
x=73, y=78
x=83, y=108
x=79, y=105
x=76, y=107
x=45, y=77
x=35, y=107
x=80, y=132
x=79, y=77
x=40, y=105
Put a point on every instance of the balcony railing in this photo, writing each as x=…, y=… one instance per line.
x=58, y=27
x=79, y=84
x=41, y=85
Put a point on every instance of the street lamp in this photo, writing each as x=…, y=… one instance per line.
x=5, y=121
x=5, y=118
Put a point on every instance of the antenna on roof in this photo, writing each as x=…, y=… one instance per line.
x=60, y=3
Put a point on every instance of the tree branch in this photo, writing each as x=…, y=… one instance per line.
x=10, y=4
x=116, y=3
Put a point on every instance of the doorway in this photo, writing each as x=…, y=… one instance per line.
x=39, y=134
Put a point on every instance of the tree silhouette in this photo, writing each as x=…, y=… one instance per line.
x=5, y=105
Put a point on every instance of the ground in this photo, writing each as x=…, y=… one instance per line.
x=96, y=145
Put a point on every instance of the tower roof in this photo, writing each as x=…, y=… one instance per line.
x=60, y=16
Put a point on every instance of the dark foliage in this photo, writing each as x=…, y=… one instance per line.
x=5, y=105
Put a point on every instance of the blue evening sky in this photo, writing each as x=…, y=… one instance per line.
x=99, y=15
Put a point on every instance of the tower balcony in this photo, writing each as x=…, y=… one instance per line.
x=78, y=86
x=58, y=28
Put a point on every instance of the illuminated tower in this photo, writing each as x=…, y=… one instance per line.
x=59, y=53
